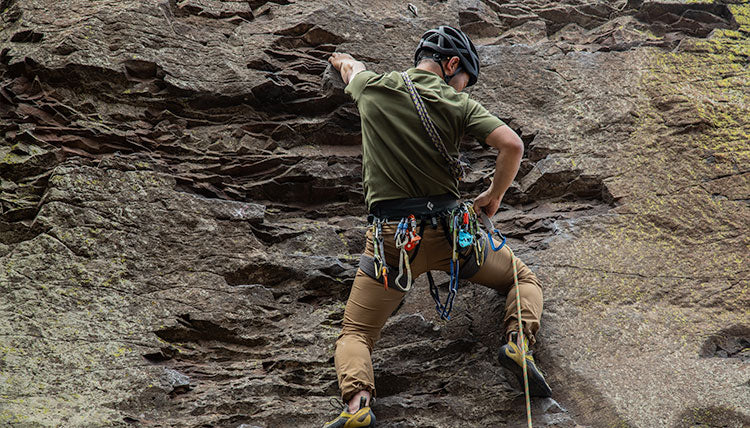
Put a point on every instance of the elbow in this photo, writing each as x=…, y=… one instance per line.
x=515, y=146
x=512, y=147
x=506, y=141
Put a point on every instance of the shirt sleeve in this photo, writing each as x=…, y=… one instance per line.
x=479, y=122
x=358, y=83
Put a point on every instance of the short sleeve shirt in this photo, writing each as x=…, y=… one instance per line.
x=399, y=160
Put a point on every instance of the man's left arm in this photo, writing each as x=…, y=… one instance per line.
x=346, y=65
x=510, y=150
x=483, y=125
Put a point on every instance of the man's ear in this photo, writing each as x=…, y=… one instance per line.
x=453, y=64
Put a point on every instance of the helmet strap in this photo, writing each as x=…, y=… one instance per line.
x=439, y=60
x=447, y=79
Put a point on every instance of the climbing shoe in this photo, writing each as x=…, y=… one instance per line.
x=511, y=358
x=362, y=418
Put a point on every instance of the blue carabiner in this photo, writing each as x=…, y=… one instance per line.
x=492, y=242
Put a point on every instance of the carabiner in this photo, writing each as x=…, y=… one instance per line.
x=404, y=259
x=490, y=230
x=492, y=242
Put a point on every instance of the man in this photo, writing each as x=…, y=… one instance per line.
x=408, y=179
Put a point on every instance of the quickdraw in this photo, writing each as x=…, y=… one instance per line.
x=407, y=239
x=378, y=250
x=479, y=244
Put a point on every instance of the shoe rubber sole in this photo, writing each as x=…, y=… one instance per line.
x=538, y=387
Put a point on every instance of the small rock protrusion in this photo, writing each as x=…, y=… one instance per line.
x=27, y=36
x=733, y=342
x=179, y=382
x=332, y=81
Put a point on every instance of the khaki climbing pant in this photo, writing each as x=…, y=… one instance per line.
x=370, y=304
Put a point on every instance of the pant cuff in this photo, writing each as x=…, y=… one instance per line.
x=513, y=328
x=351, y=392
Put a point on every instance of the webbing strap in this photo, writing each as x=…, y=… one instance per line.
x=456, y=166
x=367, y=266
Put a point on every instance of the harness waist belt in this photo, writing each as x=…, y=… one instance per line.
x=424, y=207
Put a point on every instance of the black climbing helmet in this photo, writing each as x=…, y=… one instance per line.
x=447, y=42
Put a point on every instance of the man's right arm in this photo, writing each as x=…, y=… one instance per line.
x=510, y=150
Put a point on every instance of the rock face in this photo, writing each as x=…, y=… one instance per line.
x=181, y=213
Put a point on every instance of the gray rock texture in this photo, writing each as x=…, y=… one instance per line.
x=181, y=213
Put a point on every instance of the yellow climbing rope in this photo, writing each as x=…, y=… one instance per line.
x=522, y=343
x=521, y=340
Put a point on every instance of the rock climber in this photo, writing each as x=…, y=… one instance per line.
x=418, y=222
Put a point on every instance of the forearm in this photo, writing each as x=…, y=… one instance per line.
x=349, y=68
x=506, y=167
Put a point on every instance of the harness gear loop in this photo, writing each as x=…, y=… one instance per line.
x=411, y=233
x=479, y=249
x=407, y=238
x=479, y=244
x=401, y=235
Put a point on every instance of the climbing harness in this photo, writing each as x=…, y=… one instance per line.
x=463, y=228
x=521, y=341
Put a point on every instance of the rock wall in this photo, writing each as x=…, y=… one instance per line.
x=181, y=213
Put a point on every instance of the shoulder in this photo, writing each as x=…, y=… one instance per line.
x=478, y=120
x=367, y=78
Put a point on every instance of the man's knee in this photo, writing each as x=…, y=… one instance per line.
x=355, y=338
x=526, y=275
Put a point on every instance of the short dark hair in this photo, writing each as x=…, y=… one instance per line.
x=428, y=54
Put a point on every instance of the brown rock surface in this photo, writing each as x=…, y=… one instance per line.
x=181, y=213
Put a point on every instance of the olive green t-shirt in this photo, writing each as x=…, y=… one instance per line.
x=399, y=160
